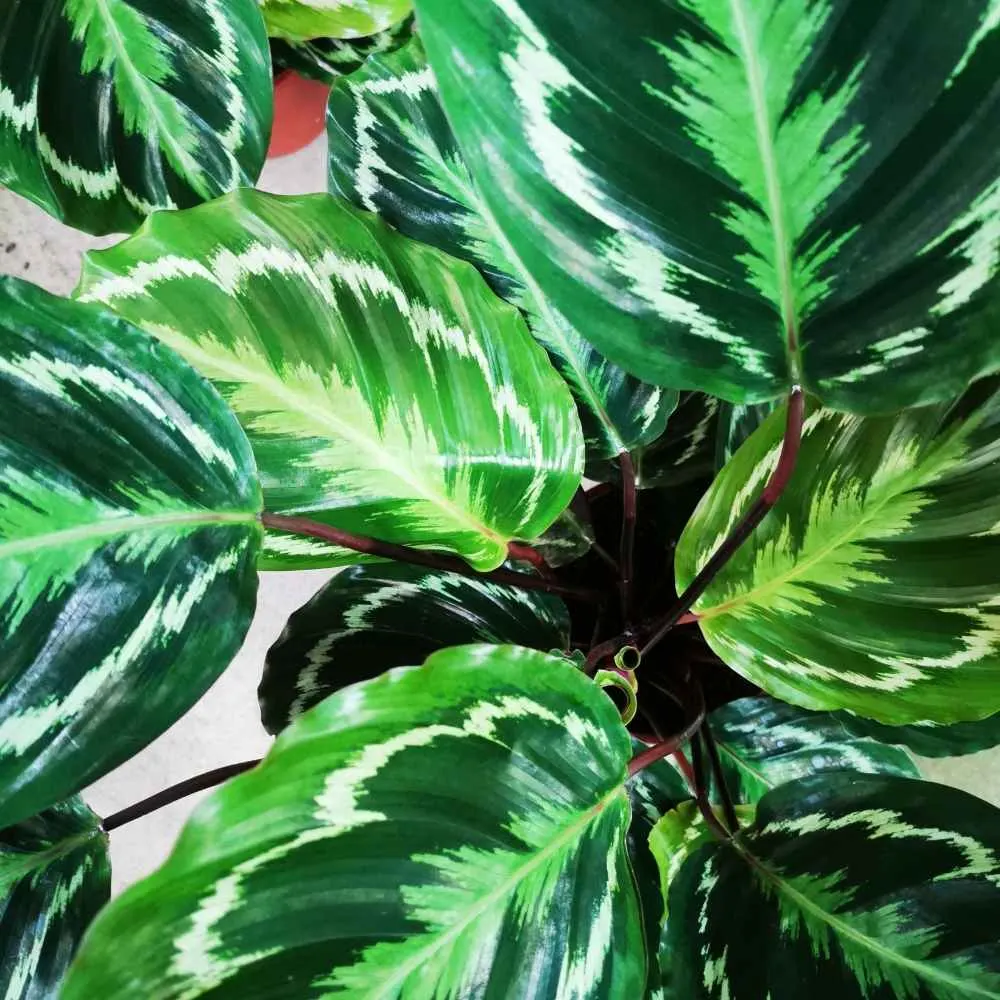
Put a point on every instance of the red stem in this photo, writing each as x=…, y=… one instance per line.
x=520, y=552
x=420, y=557
x=685, y=768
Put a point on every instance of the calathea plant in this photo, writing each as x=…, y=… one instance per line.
x=737, y=260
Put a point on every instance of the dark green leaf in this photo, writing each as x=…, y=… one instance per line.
x=451, y=830
x=54, y=877
x=874, y=584
x=369, y=619
x=847, y=887
x=128, y=536
x=384, y=388
x=393, y=152
x=110, y=109
x=930, y=740
x=733, y=195
x=764, y=743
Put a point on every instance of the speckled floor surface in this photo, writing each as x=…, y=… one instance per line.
x=224, y=727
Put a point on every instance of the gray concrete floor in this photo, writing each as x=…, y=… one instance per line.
x=224, y=727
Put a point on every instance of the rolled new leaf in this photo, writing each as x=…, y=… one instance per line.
x=370, y=619
x=844, y=886
x=446, y=830
x=764, y=743
x=385, y=389
x=109, y=110
x=874, y=584
x=392, y=151
x=129, y=532
x=54, y=878
x=713, y=192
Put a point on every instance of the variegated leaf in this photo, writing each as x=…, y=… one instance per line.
x=685, y=452
x=128, y=536
x=734, y=195
x=54, y=877
x=110, y=109
x=845, y=887
x=874, y=585
x=764, y=743
x=328, y=59
x=451, y=830
x=392, y=151
x=369, y=619
x=384, y=388
x=300, y=20
x=931, y=740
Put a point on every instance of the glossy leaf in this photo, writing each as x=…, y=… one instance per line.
x=873, y=585
x=328, y=59
x=384, y=388
x=715, y=192
x=847, y=887
x=369, y=619
x=685, y=452
x=128, y=536
x=764, y=743
x=929, y=740
x=392, y=151
x=441, y=831
x=54, y=877
x=110, y=109
x=308, y=19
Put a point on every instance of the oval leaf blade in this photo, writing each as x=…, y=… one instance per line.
x=848, y=887
x=108, y=112
x=128, y=536
x=873, y=584
x=384, y=388
x=393, y=152
x=54, y=877
x=419, y=835
x=369, y=619
x=301, y=20
x=713, y=192
x=930, y=740
x=764, y=743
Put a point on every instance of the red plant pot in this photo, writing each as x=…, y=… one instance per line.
x=299, y=112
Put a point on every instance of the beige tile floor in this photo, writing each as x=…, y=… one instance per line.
x=224, y=727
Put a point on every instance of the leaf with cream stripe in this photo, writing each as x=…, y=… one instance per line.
x=451, y=830
x=369, y=619
x=764, y=743
x=128, y=536
x=874, y=584
x=300, y=20
x=713, y=192
x=845, y=887
x=54, y=877
x=110, y=109
x=385, y=389
x=392, y=151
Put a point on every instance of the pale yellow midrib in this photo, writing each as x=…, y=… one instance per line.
x=389, y=989
x=326, y=421
x=117, y=526
x=845, y=930
x=775, y=200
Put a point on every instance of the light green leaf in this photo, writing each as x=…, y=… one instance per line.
x=369, y=619
x=385, y=389
x=109, y=110
x=54, y=877
x=306, y=19
x=846, y=887
x=737, y=195
x=128, y=536
x=437, y=832
x=764, y=743
x=874, y=585
x=392, y=151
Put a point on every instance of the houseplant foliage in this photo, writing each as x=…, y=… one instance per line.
x=644, y=738
x=301, y=20
x=110, y=110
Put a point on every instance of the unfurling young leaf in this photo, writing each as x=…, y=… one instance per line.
x=385, y=389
